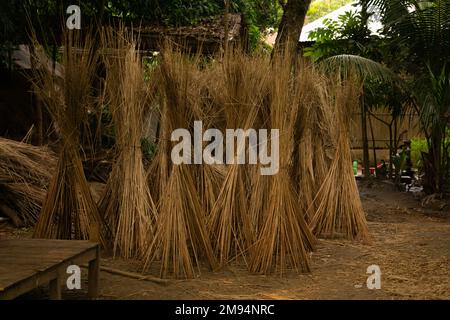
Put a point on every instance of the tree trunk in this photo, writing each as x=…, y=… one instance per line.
x=374, y=147
x=101, y=12
x=294, y=14
x=434, y=171
x=396, y=136
x=365, y=140
x=391, y=151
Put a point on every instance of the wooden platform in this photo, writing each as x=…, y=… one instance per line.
x=29, y=263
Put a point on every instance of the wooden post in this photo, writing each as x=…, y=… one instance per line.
x=55, y=289
x=93, y=275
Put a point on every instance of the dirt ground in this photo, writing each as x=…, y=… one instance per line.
x=410, y=244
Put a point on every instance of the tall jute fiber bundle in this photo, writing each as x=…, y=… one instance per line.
x=181, y=239
x=284, y=239
x=241, y=89
x=210, y=177
x=259, y=220
x=69, y=211
x=127, y=205
x=339, y=212
x=313, y=136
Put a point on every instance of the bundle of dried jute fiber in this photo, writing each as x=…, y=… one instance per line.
x=127, y=205
x=69, y=211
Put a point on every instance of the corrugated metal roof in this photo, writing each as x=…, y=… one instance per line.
x=374, y=21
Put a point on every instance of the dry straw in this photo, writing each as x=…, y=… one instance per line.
x=260, y=220
x=25, y=172
x=179, y=216
x=284, y=239
x=181, y=238
x=313, y=136
x=339, y=212
x=241, y=89
x=209, y=177
x=126, y=205
x=69, y=211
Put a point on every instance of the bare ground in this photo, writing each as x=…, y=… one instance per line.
x=411, y=246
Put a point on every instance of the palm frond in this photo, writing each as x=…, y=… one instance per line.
x=347, y=64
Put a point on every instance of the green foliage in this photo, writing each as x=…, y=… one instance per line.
x=190, y=12
x=259, y=15
x=418, y=145
x=47, y=16
x=109, y=136
x=421, y=28
x=346, y=44
x=418, y=33
x=349, y=35
x=320, y=8
x=168, y=12
x=399, y=161
x=148, y=149
x=149, y=63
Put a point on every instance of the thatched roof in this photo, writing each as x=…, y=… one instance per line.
x=209, y=32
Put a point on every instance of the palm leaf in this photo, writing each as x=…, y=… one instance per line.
x=347, y=64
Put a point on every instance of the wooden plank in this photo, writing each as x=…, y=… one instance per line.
x=29, y=263
x=77, y=259
x=45, y=243
x=42, y=278
x=26, y=285
x=23, y=267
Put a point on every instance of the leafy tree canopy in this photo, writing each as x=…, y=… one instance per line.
x=48, y=15
x=415, y=45
x=320, y=8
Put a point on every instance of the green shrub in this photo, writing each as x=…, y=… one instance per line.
x=418, y=145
